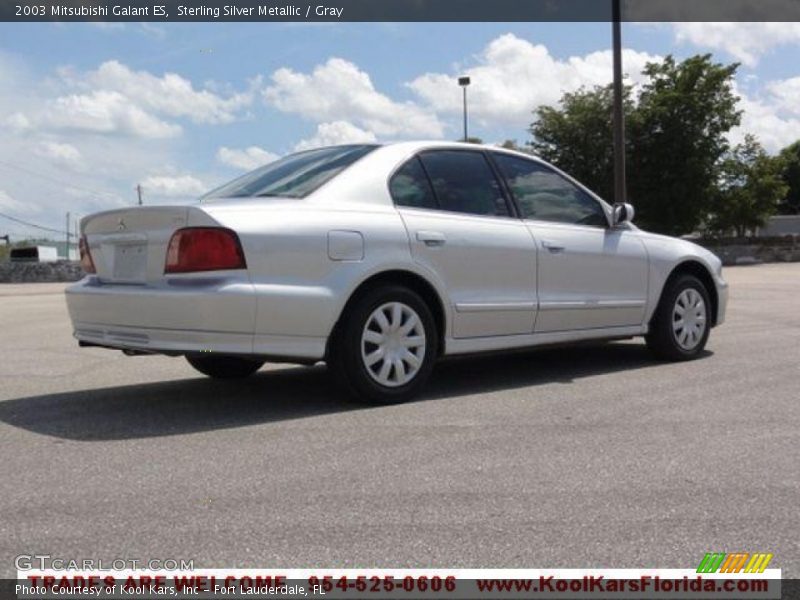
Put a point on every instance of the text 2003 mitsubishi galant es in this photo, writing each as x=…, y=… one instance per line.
x=381, y=259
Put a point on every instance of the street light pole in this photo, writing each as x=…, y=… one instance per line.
x=464, y=82
x=620, y=194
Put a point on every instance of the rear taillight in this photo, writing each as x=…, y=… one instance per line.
x=204, y=249
x=87, y=264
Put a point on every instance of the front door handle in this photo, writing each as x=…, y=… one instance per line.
x=552, y=247
x=431, y=238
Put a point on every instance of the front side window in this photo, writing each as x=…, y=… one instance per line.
x=463, y=181
x=293, y=176
x=544, y=195
x=410, y=186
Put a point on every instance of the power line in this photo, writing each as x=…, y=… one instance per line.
x=34, y=225
x=56, y=181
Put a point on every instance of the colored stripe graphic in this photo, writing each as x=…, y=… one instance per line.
x=735, y=562
x=711, y=562
x=721, y=562
x=758, y=563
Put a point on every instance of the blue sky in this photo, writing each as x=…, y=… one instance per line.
x=87, y=111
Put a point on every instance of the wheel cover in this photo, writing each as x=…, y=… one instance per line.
x=689, y=319
x=393, y=344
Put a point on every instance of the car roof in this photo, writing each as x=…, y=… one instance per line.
x=418, y=145
x=413, y=146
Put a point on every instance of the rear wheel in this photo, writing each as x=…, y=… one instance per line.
x=224, y=367
x=385, y=347
x=680, y=327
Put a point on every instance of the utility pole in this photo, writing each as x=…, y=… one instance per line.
x=66, y=246
x=77, y=235
x=464, y=82
x=620, y=193
x=139, y=192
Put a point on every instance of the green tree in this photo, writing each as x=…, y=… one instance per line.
x=791, y=177
x=750, y=189
x=576, y=136
x=678, y=136
x=677, y=130
x=512, y=145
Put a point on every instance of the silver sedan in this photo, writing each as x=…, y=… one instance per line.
x=381, y=259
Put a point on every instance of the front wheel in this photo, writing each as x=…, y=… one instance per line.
x=680, y=327
x=385, y=347
x=224, y=367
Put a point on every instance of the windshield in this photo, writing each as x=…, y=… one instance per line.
x=293, y=176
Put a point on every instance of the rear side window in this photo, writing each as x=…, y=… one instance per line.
x=463, y=181
x=545, y=195
x=410, y=186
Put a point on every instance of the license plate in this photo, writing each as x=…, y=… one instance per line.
x=130, y=262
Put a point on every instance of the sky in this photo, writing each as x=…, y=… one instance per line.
x=90, y=111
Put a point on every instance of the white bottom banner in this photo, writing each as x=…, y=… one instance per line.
x=399, y=583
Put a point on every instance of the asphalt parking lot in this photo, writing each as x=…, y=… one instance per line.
x=586, y=457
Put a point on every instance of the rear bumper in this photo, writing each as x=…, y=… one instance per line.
x=161, y=341
x=216, y=314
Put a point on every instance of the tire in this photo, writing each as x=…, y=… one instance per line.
x=224, y=367
x=384, y=360
x=676, y=338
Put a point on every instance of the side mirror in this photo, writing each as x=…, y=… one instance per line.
x=622, y=213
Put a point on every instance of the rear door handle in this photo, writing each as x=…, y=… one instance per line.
x=552, y=247
x=431, y=238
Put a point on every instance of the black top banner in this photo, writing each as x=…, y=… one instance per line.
x=396, y=10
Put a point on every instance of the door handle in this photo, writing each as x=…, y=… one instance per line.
x=552, y=247
x=431, y=238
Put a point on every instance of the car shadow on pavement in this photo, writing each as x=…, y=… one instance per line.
x=201, y=404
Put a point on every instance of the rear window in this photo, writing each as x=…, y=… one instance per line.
x=293, y=176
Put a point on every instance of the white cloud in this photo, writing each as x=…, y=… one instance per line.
x=170, y=94
x=746, y=42
x=105, y=111
x=115, y=99
x=245, y=159
x=513, y=77
x=786, y=94
x=65, y=154
x=17, y=122
x=337, y=132
x=338, y=90
x=771, y=117
x=174, y=186
x=12, y=205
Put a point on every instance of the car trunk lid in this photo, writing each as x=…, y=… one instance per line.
x=128, y=246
